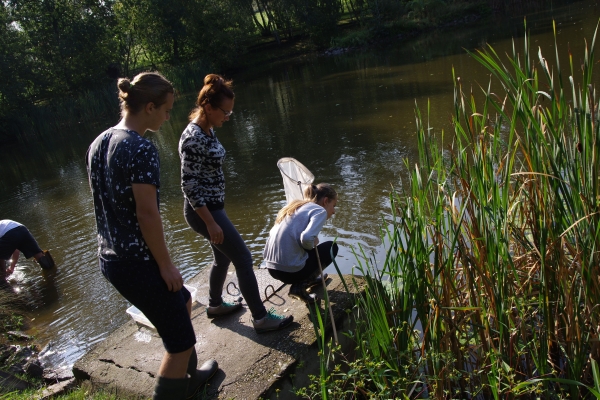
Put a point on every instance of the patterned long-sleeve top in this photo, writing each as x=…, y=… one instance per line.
x=202, y=178
x=115, y=160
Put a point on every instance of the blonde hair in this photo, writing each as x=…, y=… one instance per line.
x=312, y=194
x=147, y=87
x=214, y=91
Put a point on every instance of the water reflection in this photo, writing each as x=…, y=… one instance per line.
x=350, y=119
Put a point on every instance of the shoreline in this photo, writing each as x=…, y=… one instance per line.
x=299, y=47
x=22, y=369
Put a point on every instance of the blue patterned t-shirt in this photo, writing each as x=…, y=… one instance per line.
x=115, y=160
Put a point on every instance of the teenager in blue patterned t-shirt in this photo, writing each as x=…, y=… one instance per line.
x=124, y=174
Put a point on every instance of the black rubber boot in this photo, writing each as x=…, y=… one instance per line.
x=198, y=377
x=46, y=261
x=316, y=281
x=170, y=389
x=193, y=363
x=298, y=292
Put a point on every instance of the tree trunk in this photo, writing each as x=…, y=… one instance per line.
x=271, y=17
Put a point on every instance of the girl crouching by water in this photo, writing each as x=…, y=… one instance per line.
x=290, y=253
x=124, y=170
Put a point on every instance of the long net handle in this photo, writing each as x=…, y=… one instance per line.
x=335, y=336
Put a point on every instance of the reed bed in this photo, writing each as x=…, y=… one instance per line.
x=490, y=287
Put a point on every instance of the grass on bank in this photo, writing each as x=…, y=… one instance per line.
x=81, y=393
x=490, y=287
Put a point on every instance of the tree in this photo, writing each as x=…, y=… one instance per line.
x=16, y=76
x=174, y=33
x=13, y=63
x=319, y=19
x=70, y=43
x=219, y=31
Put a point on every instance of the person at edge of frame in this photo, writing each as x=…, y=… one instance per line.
x=15, y=238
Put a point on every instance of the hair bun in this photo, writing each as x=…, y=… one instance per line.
x=124, y=85
x=212, y=79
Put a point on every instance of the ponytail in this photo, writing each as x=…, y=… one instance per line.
x=312, y=194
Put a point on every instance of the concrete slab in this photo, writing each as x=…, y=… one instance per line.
x=252, y=366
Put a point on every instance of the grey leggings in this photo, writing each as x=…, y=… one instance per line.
x=232, y=250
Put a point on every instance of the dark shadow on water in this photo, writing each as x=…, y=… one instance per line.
x=40, y=291
x=10, y=299
x=37, y=291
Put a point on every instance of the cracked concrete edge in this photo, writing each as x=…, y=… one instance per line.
x=60, y=388
x=92, y=360
x=296, y=374
x=269, y=367
x=107, y=377
x=105, y=374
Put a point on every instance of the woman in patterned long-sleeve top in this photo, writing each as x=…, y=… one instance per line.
x=203, y=185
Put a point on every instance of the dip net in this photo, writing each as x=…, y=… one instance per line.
x=296, y=177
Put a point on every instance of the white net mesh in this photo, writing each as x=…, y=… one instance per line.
x=296, y=177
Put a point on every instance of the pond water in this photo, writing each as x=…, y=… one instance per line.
x=349, y=118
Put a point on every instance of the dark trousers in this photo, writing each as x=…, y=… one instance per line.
x=21, y=239
x=232, y=250
x=141, y=284
x=311, y=268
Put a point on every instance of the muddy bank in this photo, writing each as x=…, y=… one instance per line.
x=21, y=366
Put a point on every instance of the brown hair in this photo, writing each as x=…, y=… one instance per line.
x=215, y=90
x=147, y=87
x=312, y=194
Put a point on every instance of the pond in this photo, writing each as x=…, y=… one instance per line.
x=349, y=118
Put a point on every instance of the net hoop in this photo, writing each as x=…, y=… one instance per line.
x=296, y=177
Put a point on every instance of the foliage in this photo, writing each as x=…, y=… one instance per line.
x=420, y=9
x=490, y=286
x=65, y=115
x=15, y=83
x=355, y=38
x=67, y=43
x=10, y=322
x=319, y=19
x=52, y=50
x=156, y=32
